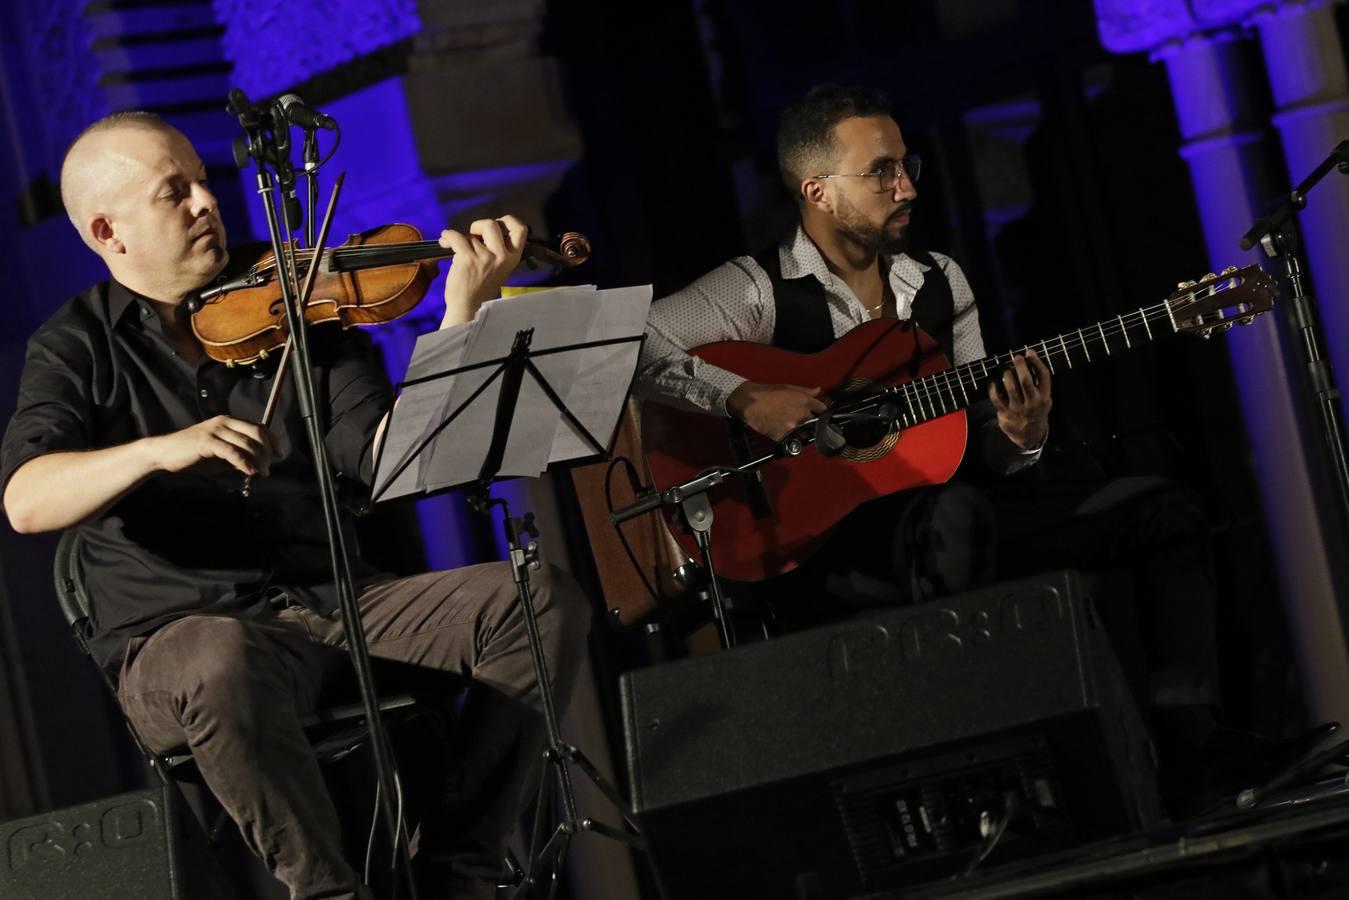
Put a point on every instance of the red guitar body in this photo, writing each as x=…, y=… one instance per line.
x=809, y=494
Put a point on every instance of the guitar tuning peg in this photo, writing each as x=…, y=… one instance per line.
x=1227, y=326
x=1184, y=285
x=1229, y=270
x=1209, y=277
x=1206, y=333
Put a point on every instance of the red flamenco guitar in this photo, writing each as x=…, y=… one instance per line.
x=766, y=525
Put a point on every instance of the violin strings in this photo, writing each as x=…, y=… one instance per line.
x=305, y=257
x=368, y=251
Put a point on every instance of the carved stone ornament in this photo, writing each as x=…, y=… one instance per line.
x=1131, y=26
x=1217, y=13
x=57, y=49
x=1231, y=12
x=275, y=46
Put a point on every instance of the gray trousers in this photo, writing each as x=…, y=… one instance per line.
x=234, y=691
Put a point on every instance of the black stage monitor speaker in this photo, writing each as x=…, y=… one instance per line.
x=887, y=750
x=145, y=845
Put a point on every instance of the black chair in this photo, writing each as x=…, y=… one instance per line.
x=334, y=731
x=421, y=711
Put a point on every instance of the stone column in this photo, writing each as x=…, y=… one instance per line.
x=1304, y=57
x=1213, y=83
x=492, y=128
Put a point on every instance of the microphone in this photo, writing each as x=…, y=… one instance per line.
x=299, y=114
x=829, y=438
x=290, y=206
x=644, y=503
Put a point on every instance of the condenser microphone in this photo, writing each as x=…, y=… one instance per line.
x=297, y=113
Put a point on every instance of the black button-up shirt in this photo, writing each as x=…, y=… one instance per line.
x=100, y=373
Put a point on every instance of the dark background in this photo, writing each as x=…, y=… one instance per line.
x=1051, y=174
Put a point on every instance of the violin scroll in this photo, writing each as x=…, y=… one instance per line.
x=575, y=249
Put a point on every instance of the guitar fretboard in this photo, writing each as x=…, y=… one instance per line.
x=933, y=396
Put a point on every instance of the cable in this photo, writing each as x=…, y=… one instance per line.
x=337, y=142
x=398, y=828
x=374, y=826
x=370, y=841
x=1011, y=805
x=637, y=487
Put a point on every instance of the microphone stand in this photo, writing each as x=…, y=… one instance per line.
x=310, y=155
x=695, y=507
x=1276, y=233
x=695, y=511
x=265, y=136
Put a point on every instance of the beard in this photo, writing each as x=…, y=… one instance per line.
x=873, y=238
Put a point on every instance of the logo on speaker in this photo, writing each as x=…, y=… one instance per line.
x=944, y=630
x=55, y=843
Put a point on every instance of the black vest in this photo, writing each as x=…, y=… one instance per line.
x=803, y=322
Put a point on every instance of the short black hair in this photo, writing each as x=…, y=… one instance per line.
x=806, y=131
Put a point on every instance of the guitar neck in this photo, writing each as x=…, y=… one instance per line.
x=954, y=389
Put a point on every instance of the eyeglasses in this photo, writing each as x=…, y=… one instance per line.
x=887, y=176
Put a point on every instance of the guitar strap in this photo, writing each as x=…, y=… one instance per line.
x=803, y=323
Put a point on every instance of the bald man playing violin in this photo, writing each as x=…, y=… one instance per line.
x=214, y=612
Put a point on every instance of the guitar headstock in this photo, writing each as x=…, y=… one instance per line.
x=1217, y=302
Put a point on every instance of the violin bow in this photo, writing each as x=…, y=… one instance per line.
x=302, y=301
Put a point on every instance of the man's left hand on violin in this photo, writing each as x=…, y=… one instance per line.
x=483, y=259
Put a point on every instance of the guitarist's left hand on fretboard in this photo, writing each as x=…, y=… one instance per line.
x=1022, y=399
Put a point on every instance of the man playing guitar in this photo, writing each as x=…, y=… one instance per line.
x=842, y=155
x=845, y=265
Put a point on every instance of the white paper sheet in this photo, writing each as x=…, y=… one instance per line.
x=419, y=455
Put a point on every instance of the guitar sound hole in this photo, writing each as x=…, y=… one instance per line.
x=864, y=433
x=867, y=438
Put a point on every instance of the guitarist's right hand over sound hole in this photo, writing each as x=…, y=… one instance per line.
x=774, y=410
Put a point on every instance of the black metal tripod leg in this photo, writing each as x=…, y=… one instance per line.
x=608, y=790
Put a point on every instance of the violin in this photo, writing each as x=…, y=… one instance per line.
x=375, y=277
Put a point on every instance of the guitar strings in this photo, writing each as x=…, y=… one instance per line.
x=1056, y=349
x=935, y=395
x=924, y=396
x=939, y=386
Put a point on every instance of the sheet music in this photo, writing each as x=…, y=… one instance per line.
x=591, y=382
x=601, y=373
x=417, y=412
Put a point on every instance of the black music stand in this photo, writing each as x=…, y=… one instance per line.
x=546, y=854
